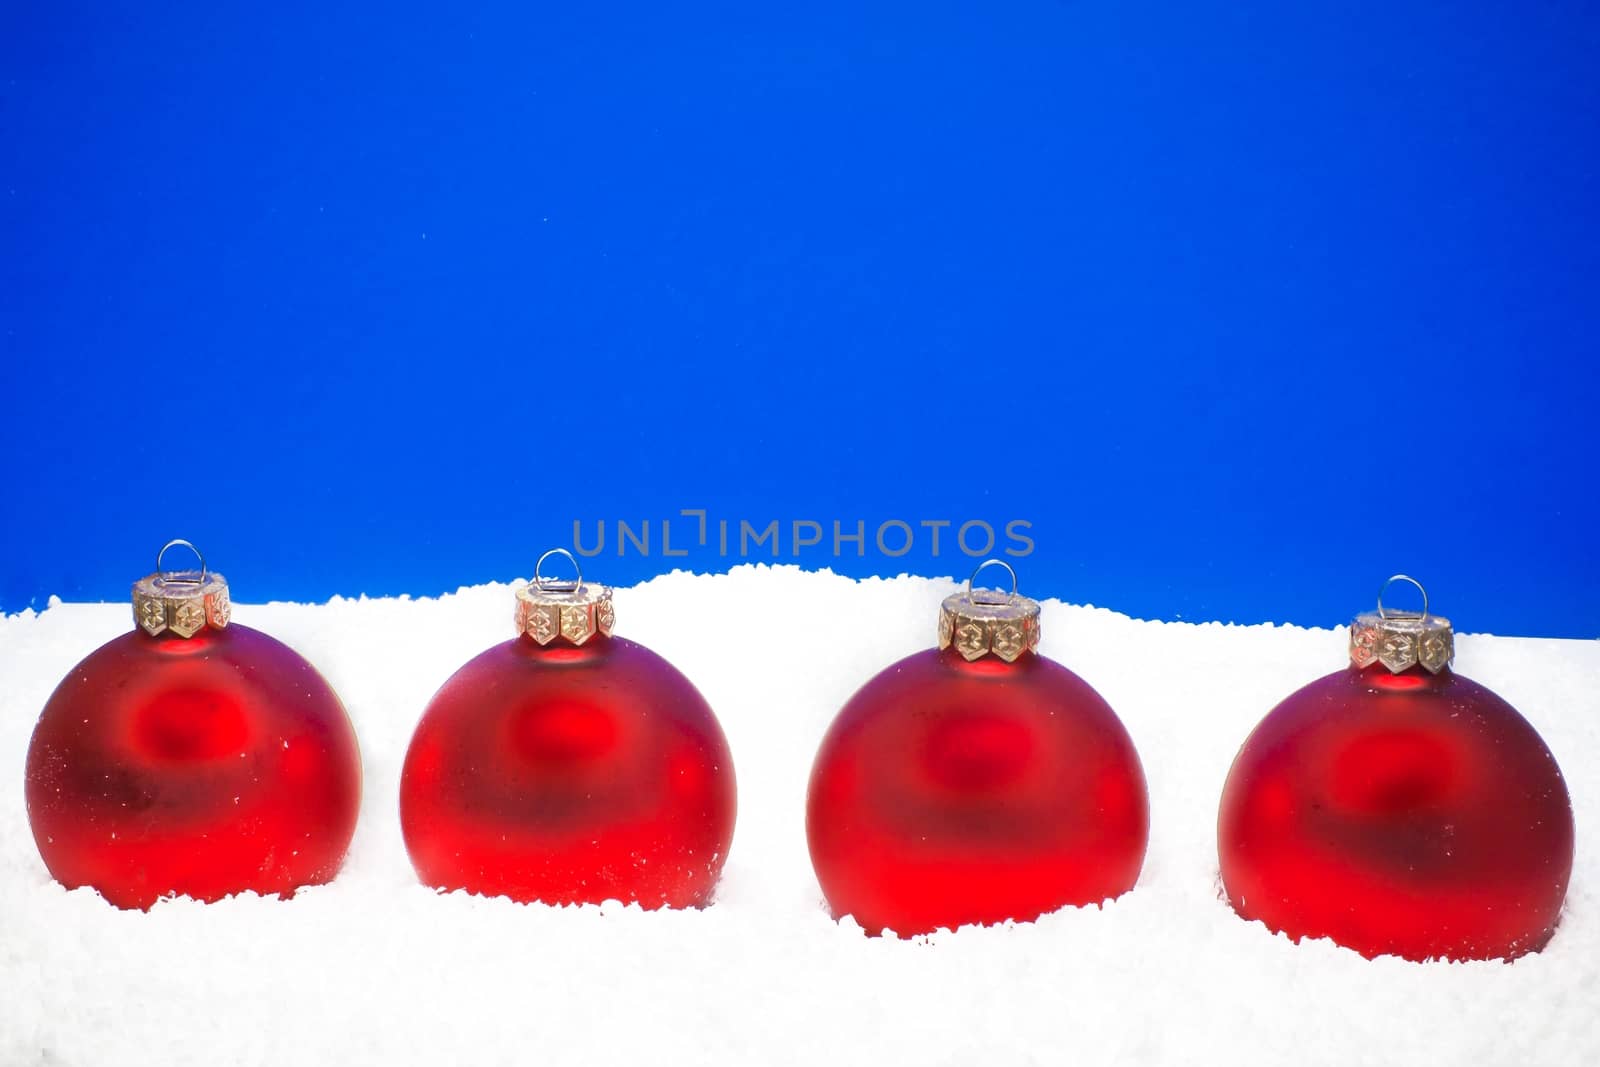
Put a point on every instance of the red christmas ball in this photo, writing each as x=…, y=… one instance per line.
x=1398, y=810
x=569, y=772
x=201, y=766
x=956, y=789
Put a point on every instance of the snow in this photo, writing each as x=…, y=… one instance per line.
x=375, y=969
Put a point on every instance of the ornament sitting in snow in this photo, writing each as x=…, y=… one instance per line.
x=569, y=766
x=975, y=783
x=193, y=756
x=1398, y=808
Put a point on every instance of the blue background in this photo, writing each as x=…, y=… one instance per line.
x=1242, y=306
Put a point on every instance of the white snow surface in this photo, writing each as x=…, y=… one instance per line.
x=376, y=969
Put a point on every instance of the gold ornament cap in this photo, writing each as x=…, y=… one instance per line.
x=1401, y=640
x=181, y=603
x=567, y=609
x=983, y=622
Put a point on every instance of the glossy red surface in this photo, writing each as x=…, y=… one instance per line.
x=570, y=775
x=202, y=767
x=947, y=793
x=1411, y=814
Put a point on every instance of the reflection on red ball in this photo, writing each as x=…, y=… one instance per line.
x=570, y=775
x=199, y=767
x=1406, y=814
x=950, y=792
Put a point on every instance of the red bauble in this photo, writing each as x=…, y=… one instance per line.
x=569, y=774
x=199, y=766
x=952, y=791
x=1398, y=812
